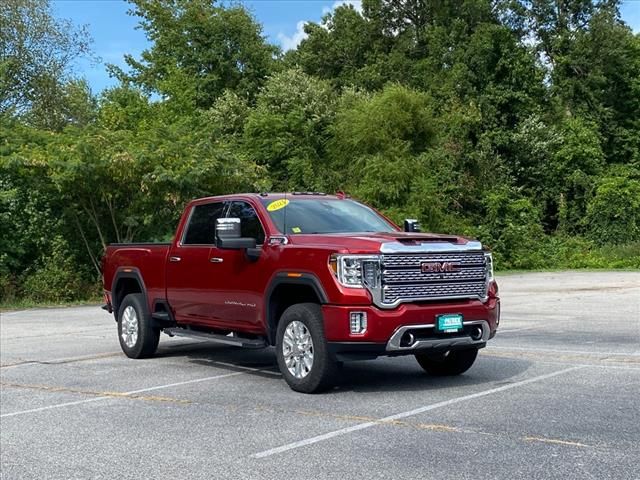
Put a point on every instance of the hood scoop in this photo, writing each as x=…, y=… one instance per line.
x=421, y=243
x=427, y=239
x=410, y=238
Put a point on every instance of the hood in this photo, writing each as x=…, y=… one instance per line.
x=387, y=242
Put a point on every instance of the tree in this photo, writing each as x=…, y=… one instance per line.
x=515, y=121
x=613, y=215
x=198, y=50
x=344, y=49
x=36, y=55
x=593, y=64
x=378, y=142
x=287, y=130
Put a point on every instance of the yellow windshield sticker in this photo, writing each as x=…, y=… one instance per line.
x=296, y=229
x=277, y=204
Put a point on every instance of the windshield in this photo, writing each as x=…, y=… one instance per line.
x=327, y=215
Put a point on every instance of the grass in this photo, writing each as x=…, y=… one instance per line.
x=517, y=271
x=26, y=303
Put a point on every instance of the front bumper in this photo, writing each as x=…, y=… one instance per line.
x=387, y=330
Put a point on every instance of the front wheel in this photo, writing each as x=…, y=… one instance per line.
x=452, y=362
x=302, y=351
x=138, y=339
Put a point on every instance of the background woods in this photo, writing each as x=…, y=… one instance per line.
x=515, y=121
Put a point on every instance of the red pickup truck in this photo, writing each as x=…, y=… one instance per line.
x=323, y=278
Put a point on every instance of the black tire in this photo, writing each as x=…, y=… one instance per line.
x=323, y=371
x=148, y=337
x=449, y=363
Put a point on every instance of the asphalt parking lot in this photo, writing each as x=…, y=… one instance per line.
x=555, y=395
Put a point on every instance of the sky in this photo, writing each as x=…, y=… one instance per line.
x=114, y=32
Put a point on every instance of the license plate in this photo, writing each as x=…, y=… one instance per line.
x=449, y=323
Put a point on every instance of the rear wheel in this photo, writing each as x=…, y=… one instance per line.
x=302, y=351
x=452, y=362
x=138, y=339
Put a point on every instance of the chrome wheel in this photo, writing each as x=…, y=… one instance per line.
x=129, y=328
x=297, y=349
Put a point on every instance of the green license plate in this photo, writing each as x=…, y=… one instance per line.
x=449, y=323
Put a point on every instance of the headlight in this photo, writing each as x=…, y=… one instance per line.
x=356, y=270
x=488, y=259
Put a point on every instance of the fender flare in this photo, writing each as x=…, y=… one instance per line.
x=283, y=278
x=127, y=272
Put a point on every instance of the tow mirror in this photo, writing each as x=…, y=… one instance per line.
x=228, y=235
x=411, y=225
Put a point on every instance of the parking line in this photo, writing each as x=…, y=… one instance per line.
x=97, y=356
x=57, y=361
x=133, y=392
x=555, y=441
x=579, y=352
x=417, y=411
x=539, y=358
x=251, y=369
x=512, y=330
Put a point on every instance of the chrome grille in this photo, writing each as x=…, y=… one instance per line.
x=416, y=276
x=404, y=281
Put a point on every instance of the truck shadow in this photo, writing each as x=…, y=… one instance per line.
x=404, y=374
x=384, y=374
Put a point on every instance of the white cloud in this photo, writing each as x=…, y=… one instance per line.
x=357, y=4
x=291, y=42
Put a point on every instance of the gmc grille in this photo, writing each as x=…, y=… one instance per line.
x=404, y=280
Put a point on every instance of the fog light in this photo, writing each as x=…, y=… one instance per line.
x=358, y=322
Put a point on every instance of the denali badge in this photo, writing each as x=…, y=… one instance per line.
x=439, y=267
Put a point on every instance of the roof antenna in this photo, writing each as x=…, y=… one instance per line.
x=286, y=187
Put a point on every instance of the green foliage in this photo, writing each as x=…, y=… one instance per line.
x=378, y=141
x=36, y=55
x=286, y=131
x=613, y=215
x=198, y=50
x=56, y=278
x=341, y=50
x=512, y=229
x=514, y=122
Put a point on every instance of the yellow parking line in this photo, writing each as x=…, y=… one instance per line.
x=49, y=388
x=555, y=441
x=58, y=361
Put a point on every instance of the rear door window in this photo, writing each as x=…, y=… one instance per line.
x=202, y=224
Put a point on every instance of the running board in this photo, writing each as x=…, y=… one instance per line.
x=214, y=337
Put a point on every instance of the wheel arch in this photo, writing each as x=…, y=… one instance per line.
x=284, y=291
x=127, y=281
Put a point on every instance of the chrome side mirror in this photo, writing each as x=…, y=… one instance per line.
x=228, y=235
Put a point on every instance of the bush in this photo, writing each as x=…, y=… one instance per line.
x=512, y=229
x=8, y=289
x=613, y=215
x=56, y=278
x=560, y=252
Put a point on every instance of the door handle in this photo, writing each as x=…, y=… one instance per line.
x=174, y=259
x=216, y=260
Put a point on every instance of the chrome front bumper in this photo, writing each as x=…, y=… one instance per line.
x=396, y=344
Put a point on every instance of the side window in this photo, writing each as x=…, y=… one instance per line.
x=202, y=224
x=249, y=221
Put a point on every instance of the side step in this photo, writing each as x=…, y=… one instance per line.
x=214, y=337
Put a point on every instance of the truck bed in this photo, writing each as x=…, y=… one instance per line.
x=147, y=261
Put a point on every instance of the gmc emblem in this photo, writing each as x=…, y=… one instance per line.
x=439, y=267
